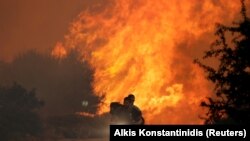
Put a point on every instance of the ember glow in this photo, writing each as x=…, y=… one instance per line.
x=133, y=46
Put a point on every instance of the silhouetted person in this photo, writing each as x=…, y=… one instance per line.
x=127, y=110
x=136, y=114
x=120, y=113
x=126, y=113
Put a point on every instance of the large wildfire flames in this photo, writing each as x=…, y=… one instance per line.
x=135, y=46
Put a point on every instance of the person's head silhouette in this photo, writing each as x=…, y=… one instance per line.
x=131, y=98
x=126, y=101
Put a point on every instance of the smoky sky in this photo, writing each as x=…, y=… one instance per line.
x=29, y=24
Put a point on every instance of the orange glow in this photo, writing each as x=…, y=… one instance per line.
x=59, y=51
x=85, y=114
x=132, y=46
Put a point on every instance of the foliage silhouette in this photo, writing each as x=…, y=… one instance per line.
x=231, y=105
x=18, y=113
x=63, y=84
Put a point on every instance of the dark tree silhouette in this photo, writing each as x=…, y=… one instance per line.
x=18, y=117
x=231, y=105
x=63, y=84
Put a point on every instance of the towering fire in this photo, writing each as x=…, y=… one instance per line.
x=145, y=47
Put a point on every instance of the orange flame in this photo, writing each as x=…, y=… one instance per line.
x=59, y=51
x=134, y=47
